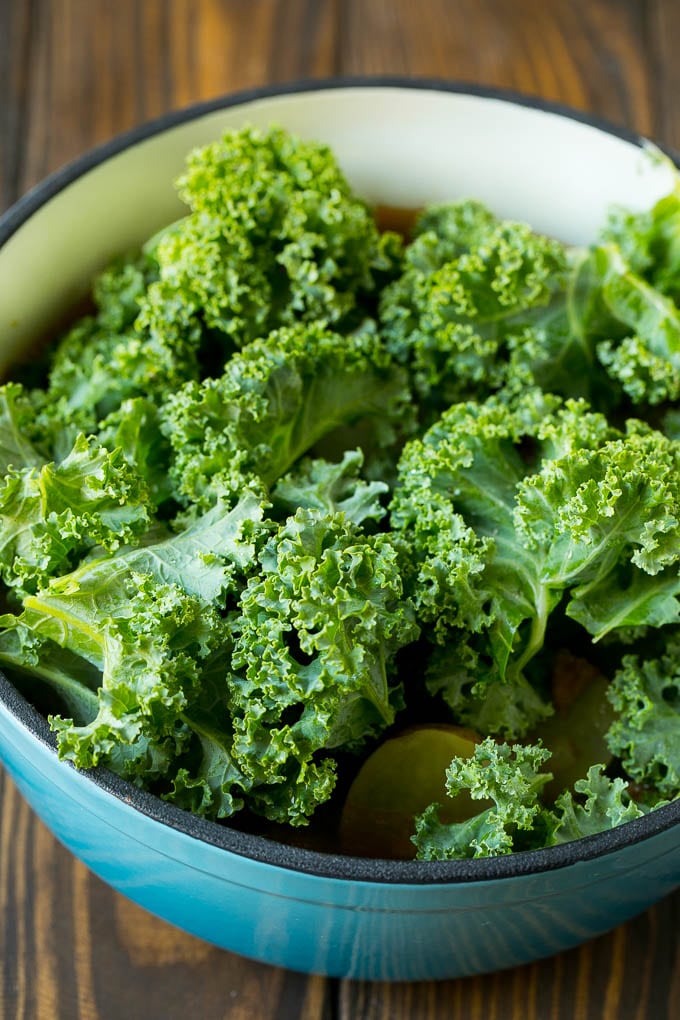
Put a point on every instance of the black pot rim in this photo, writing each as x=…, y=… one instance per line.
x=260, y=848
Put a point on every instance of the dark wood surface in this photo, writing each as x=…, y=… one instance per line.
x=75, y=72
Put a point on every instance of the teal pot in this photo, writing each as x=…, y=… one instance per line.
x=402, y=143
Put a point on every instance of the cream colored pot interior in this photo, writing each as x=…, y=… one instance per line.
x=399, y=146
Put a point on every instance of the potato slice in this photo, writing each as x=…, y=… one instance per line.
x=399, y=780
x=576, y=737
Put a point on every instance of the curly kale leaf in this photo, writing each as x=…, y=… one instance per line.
x=471, y=578
x=509, y=777
x=191, y=764
x=613, y=531
x=119, y=291
x=644, y=354
x=52, y=515
x=485, y=305
x=443, y=232
x=461, y=674
x=146, y=620
x=504, y=512
x=134, y=429
x=600, y=804
x=274, y=237
x=36, y=662
x=320, y=485
x=16, y=419
x=208, y=559
x=29, y=656
x=275, y=400
x=472, y=286
x=649, y=241
x=316, y=634
x=646, y=733
x=146, y=638
x=207, y=779
x=104, y=359
x=445, y=576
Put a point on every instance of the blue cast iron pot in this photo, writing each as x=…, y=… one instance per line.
x=402, y=143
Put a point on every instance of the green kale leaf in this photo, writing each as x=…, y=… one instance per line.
x=644, y=356
x=52, y=515
x=505, y=510
x=276, y=399
x=134, y=429
x=472, y=285
x=601, y=804
x=320, y=485
x=315, y=638
x=649, y=241
x=274, y=237
x=16, y=419
x=103, y=359
x=509, y=777
x=146, y=619
x=646, y=733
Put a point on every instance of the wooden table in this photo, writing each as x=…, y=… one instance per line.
x=75, y=72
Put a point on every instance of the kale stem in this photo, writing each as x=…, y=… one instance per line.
x=537, y=633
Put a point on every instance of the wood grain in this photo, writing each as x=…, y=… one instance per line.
x=664, y=38
x=72, y=948
x=96, y=69
x=589, y=55
x=622, y=975
x=14, y=53
x=75, y=72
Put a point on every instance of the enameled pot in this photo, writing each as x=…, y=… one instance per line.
x=401, y=143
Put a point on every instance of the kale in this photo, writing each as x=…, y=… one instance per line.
x=294, y=486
